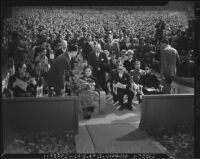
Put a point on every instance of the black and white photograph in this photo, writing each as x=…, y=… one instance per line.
x=94, y=80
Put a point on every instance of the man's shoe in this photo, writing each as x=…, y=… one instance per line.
x=87, y=117
x=90, y=109
x=130, y=108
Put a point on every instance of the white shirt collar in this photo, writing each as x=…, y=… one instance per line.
x=98, y=54
x=69, y=56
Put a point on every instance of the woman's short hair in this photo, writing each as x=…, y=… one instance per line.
x=86, y=67
x=165, y=41
x=20, y=64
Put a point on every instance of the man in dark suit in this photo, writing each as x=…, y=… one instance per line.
x=99, y=62
x=129, y=63
x=87, y=47
x=62, y=47
x=121, y=82
x=112, y=45
x=150, y=82
x=61, y=69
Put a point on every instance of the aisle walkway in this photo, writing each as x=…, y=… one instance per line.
x=115, y=132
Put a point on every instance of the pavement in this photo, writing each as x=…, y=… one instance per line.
x=115, y=131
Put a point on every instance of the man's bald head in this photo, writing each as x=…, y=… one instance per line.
x=64, y=45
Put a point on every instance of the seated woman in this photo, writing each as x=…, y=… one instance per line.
x=89, y=96
x=21, y=83
x=150, y=82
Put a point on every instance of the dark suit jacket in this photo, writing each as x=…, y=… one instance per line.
x=113, y=47
x=58, y=53
x=123, y=46
x=129, y=65
x=86, y=50
x=124, y=80
x=17, y=91
x=101, y=62
x=149, y=80
x=59, y=71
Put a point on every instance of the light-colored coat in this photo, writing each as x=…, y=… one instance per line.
x=169, y=59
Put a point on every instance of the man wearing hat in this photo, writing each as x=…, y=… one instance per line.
x=121, y=84
x=129, y=63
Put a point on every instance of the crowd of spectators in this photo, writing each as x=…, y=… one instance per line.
x=33, y=34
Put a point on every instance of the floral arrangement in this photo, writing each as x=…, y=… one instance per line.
x=77, y=85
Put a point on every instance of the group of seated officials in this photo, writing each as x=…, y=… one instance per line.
x=121, y=77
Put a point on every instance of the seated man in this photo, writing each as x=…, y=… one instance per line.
x=121, y=83
x=137, y=72
x=129, y=63
x=135, y=76
x=150, y=82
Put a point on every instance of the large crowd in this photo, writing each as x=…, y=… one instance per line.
x=34, y=36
